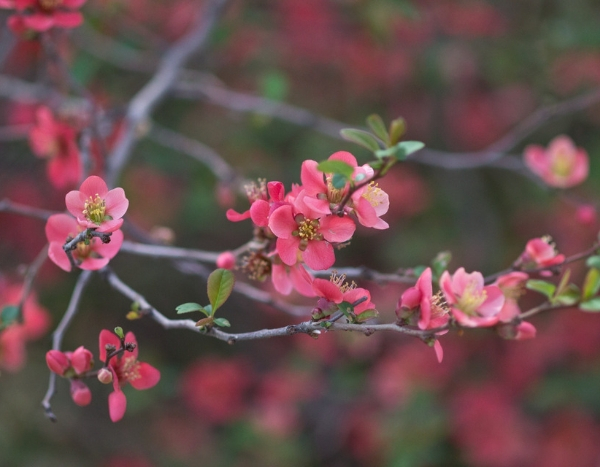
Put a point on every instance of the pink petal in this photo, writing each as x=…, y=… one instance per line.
x=57, y=361
x=439, y=352
x=344, y=156
x=525, y=330
x=59, y=227
x=93, y=186
x=282, y=223
x=287, y=249
x=235, y=216
x=117, y=404
x=116, y=203
x=81, y=360
x=130, y=337
x=65, y=170
x=67, y=19
x=473, y=321
x=58, y=256
x=259, y=212
x=107, y=226
x=148, y=376
x=75, y=202
x=318, y=255
x=280, y=279
x=38, y=22
x=276, y=191
x=312, y=179
x=302, y=280
x=337, y=229
x=327, y=290
x=365, y=212
x=354, y=295
x=535, y=159
x=93, y=264
x=493, y=303
x=446, y=286
x=107, y=338
x=80, y=393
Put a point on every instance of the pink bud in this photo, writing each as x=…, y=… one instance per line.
x=411, y=298
x=80, y=393
x=57, y=361
x=82, y=360
x=226, y=260
x=105, y=376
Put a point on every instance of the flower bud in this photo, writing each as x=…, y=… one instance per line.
x=80, y=393
x=105, y=376
x=82, y=360
x=57, y=361
x=226, y=260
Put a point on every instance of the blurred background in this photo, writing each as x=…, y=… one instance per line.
x=462, y=74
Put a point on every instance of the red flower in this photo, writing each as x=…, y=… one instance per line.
x=41, y=15
x=56, y=141
x=95, y=207
x=93, y=256
x=540, y=252
x=336, y=290
x=125, y=368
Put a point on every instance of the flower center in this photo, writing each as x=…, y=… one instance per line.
x=439, y=306
x=83, y=250
x=256, y=191
x=471, y=299
x=309, y=230
x=340, y=281
x=373, y=194
x=256, y=266
x=334, y=195
x=95, y=209
x=131, y=369
x=562, y=164
x=49, y=4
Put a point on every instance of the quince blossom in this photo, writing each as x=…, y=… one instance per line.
x=540, y=252
x=472, y=304
x=56, y=141
x=433, y=311
x=125, y=368
x=73, y=365
x=95, y=207
x=561, y=165
x=368, y=203
x=42, y=15
x=92, y=256
x=335, y=291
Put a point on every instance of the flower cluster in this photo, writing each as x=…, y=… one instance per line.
x=120, y=367
x=98, y=215
x=304, y=226
x=42, y=15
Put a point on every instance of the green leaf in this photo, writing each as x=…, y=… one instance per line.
x=543, y=287
x=591, y=284
x=376, y=124
x=360, y=137
x=219, y=286
x=406, y=148
x=188, y=308
x=119, y=332
x=397, y=129
x=275, y=85
x=593, y=262
x=338, y=181
x=336, y=167
x=440, y=262
x=367, y=315
x=564, y=281
x=9, y=315
x=222, y=322
x=570, y=296
x=592, y=305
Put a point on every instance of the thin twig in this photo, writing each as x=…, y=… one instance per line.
x=57, y=336
x=30, y=275
x=7, y=205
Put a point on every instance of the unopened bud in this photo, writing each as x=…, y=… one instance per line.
x=105, y=376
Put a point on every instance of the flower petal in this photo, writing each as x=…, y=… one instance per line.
x=148, y=376
x=117, y=404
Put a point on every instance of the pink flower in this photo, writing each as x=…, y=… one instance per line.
x=472, y=304
x=433, y=312
x=335, y=291
x=287, y=278
x=94, y=256
x=70, y=364
x=309, y=237
x=562, y=165
x=540, y=252
x=126, y=369
x=41, y=15
x=512, y=286
x=368, y=203
x=54, y=140
x=263, y=198
x=13, y=339
x=95, y=207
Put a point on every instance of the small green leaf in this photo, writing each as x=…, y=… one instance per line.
x=222, y=322
x=397, y=129
x=338, y=181
x=119, y=332
x=9, y=315
x=592, y=305
x=367, y=315
x=569, y=296
x=346, y=308
x=591, y=284
x=336, y=167
x=188, y=308
x=219, y=286
x=593, y=262
x=376, y=124
x=204, y=322
x=543, y=287
x=440, y=263
x=406, y=148
x=564, y=281
x=360, y=137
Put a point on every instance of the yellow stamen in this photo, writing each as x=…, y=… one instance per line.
x=339, y=280
x=472, y=299
x=95, y=209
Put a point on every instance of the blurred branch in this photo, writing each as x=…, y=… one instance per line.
x=160, y=251
x=33, y=93
x=7, y=205
x=195, y=149
x=144, y=102
x=402, y=276
x=57, y=336
x=30, y=275
x=311, y=328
